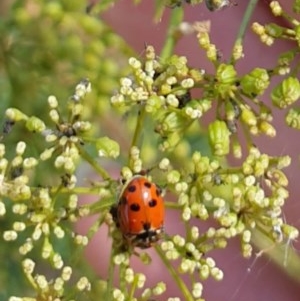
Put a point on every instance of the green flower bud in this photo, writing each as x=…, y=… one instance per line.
x=173, y=176
x=238, y=51
x=248, y=117
x=15, y=115
x=297, y=33
x=153, y=104
x=107, y=147
x=212, y=53
x=286, y=93
x=296, y=6
x=276, y=8
x=196, y=75
x=286, y=58
x=258, y=28
x=266, y=39
x=197, y=289
x=237, y=149
x=35, y=124
x=219, y=138
x=226, y=80
x=172, y=100
x=290, y=231
x=226, y=74
x=177, y=66
x=172, y=141
x=172, y=122
x=274, y=30
x=255, y=82
x=293, y=118
x=159, y=288
x=203, y=40
x=266, y=128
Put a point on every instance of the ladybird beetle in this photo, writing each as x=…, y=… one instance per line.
x=140, y=212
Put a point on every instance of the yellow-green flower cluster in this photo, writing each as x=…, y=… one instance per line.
x=67, y=135
x=163, y=90
x=39, y=215
x=241, y=199
x=268, y=33
x=236, y=98
x=130, y=281
x=54, y=288
x=15, y=174
x=40, y=220
x=288, y=91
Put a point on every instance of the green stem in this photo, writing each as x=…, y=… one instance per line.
x=283, y=254
x=77, y=190
x=136, y=140
x=172, y=34
x=185, y=291
x=133, y=288
x=86, y=156
x=246, y=19
x=77, y=252
x=111, y=269
x=99, y=206
x=122, y=281
x=172, y=205
x=32, y=281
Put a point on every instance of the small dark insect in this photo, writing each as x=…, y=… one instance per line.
x=184, y=99
x=7, y=127
x=16, y=171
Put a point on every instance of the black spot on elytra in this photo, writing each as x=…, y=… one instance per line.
x=147, y=184
x=152, y=203
x=131, y=188
x=135, y=207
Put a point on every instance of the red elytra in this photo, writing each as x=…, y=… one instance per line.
x=141, y=212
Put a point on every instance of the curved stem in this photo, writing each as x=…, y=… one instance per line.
x=185, y=291
x=283, y=254
x=86, y=156
x=246, y=19
x=99, y=206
